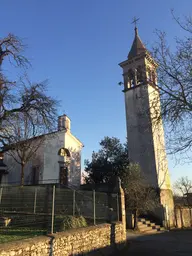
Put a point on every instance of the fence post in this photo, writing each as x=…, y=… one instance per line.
x=53, y=210
x=122, y=210
x=117, y=207
x=94, y=212
x=35, y=201
x=190, y=213
x=73, y=202
x=1, y=193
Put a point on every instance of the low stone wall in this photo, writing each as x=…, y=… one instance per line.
x=183, y=217
x=81, y=241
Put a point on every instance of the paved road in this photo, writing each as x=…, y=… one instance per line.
x=173, y=243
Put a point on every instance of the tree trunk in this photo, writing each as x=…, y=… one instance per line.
x=181, y=216
x=22, y=175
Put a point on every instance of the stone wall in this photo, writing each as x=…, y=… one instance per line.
x=183, y=217
x=74, y=242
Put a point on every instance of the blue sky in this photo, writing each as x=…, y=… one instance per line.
x=78, y=44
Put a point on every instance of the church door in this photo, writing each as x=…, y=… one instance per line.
x=63, y=176
x=35, y=175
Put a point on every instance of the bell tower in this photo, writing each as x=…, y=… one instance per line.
x=142, y=105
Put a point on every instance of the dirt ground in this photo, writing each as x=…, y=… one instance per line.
x=175, y=242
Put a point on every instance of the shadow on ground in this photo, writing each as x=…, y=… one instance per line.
x=175, y=242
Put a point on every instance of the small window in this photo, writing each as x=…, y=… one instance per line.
x=64, y=152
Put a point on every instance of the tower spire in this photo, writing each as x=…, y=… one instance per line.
x=137, y=46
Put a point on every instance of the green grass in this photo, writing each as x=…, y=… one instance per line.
x=14, y=234
x=32, y=228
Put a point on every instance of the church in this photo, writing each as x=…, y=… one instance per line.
x=144, y=132
x=56, y=161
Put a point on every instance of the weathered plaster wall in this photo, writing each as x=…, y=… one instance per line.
x=74, y=147
x=139, y=132
x=51, y=166
x=49, y=161
x=183, y=217
x=75, y=242
x=146, y=141
x=158, y=139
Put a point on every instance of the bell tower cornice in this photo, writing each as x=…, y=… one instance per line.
x=140, y=67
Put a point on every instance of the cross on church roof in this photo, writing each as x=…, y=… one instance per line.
x=135, y=20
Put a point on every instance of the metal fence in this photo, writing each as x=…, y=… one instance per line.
x=43, y=207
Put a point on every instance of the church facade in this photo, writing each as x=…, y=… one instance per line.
x=145, y=134
x=56, y=161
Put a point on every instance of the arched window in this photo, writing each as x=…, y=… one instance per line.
x=139, y=75
x=131, y=78
x=64, y=152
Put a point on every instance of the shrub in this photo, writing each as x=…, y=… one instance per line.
x=69, y=222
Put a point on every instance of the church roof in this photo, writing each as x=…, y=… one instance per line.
x=137, y=46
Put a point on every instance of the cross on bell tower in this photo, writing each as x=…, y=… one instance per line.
x=135, y=20
x=146, y=143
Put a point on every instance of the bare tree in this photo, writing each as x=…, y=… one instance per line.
x=24, y=138
x=183, y=189
x=26, y=110
x=22, y=97
x=140, y=197
x=12, y=47
x=175, y=87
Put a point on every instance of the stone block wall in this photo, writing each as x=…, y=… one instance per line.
x=183, y=217
x=28, y=247
x=74, y=242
